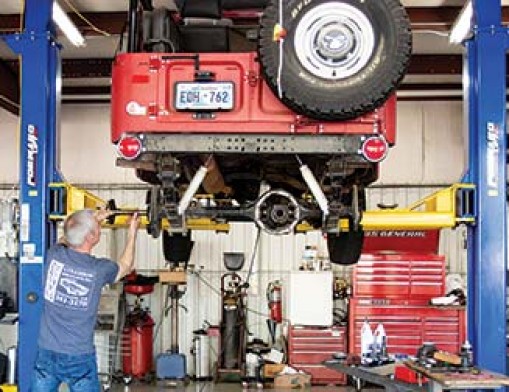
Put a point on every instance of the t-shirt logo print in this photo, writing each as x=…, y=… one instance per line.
x=73, y=288
x=54, y=272
x=67, y=286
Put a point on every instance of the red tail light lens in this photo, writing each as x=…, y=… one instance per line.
x=129, y=147
x=375, y=149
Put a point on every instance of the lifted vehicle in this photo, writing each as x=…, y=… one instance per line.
x=292, y=132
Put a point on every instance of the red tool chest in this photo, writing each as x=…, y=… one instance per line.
x=399, y=276
x=308, y=347
x=393, y=283
x=408, y=324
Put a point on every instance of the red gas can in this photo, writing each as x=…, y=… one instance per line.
x=137, y=345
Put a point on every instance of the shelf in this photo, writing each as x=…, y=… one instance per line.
x=9, y=320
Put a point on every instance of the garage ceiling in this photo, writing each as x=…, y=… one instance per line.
x=435, y=69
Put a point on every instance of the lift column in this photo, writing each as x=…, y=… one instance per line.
x=485, y=89
x=40, y=63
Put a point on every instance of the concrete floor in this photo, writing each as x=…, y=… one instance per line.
x=211, y=387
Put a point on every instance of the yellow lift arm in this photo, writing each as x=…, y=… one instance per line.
x=66, y=198
x=445, y=208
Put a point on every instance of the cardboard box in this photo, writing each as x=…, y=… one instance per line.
x=292, y=381
x=172, y=277
x=271, y=370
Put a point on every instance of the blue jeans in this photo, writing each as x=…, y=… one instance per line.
x=51, y=369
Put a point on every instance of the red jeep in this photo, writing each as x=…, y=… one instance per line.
x=280, y=109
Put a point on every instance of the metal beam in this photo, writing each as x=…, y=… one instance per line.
x=435, y=64
x=439, y=18
x=77, y=68
x=110, y=22
x=86, y=68
x=428, y=18
x=101, y=68
x=86, y=95
x=436, y=18
x=420, y=64
x=485, y=90
x=86, y=90
x=430, y=86
x=425, y=64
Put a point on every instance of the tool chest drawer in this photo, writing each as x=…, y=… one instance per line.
x=308, y=347
x=407, y=324
x=399, y=276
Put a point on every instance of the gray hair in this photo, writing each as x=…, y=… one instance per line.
x=78, y=225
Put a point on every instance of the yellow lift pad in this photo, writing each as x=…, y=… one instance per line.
x=8, y=388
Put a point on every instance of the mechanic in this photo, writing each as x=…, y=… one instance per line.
x=72, y=290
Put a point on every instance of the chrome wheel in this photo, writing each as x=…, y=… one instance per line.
x=334, y=41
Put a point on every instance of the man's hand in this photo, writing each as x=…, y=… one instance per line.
x=102, y=214
x=63, y=241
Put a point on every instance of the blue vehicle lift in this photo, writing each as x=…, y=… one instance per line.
x=40, y=67
x=485, y=101
x=485, y=77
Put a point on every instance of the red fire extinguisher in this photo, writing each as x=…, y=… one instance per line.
x=274, y=301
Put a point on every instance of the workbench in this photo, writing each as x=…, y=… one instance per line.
x=375, y=375
x=440, y=380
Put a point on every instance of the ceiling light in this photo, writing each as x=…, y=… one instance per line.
x=67, y=26
x=462, y=27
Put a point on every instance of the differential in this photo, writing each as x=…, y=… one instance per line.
x=277, y=212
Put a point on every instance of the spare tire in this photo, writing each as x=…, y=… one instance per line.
x=338, y=59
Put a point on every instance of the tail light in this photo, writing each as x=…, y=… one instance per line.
x=375, y=149
x=129, y=147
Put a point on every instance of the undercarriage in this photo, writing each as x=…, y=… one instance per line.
x=276, y=191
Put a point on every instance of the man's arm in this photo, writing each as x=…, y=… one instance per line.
x=126, y=261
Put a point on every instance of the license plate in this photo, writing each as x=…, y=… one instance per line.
x=204, y=96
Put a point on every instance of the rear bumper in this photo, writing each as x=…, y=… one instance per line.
x=252, y=144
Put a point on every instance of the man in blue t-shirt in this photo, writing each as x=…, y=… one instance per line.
x=73, y=280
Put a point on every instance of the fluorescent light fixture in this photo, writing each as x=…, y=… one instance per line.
x=462, y=27
x=67, y=26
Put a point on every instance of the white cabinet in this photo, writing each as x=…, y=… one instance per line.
x=310, y=298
